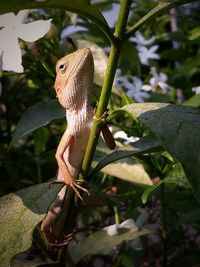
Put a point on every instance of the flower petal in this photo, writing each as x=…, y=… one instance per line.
x=137, y=83
x=131, y=139
x=150, y=41
x=153, y=48
x=7, y=19
x=111, y=229
x=196, y=90
x=128, y=85
x=147, y=87
x=11, y=53
x=22, y=16
x=129, y=224
x=143, y=58
x=33, y=31
x=142, y=48
x=120, y=134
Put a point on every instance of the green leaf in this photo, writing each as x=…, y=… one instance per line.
x=119, y=165
x=101, y=243
x=194, y=33
x=144, y=145
x=82, y=7
x=129, y=58
x=41, y=137
x=194, y=101
x=130, y=170
x=37, y=116
x=20, y=212
x=178, y=130
x=175, y=176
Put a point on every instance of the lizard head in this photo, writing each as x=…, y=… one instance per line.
x=74, y=73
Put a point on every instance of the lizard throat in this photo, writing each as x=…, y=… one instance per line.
x=78, y=120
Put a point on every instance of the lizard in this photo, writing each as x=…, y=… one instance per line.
x=73, y=86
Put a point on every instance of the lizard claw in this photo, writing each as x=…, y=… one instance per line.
x=57, y=244
x=75, y=185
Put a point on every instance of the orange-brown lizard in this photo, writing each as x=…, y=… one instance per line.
x=73, y=86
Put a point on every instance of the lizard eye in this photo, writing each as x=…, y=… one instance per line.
x=62, y=67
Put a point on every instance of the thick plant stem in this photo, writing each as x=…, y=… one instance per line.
x=107, y=85
x=103, y=102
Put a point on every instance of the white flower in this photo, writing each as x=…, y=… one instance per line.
x=112, y=230
x=133, y=85
x=134, y=90
x=147, y=53
x=196, y=89
x=13, y=27
x=158, y=81
x=123, y=135
x=141, y=41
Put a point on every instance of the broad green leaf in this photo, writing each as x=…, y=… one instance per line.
x=41, y=137
x=120, y=163
x=130, y=170
x=20, y=212
x=82, y=7
x=100, y=243
x=162, y=7
x=194, y=101
x=178, y=130
x=37, y=116
x=129, y=59
x=175, y=176
x=144, y=145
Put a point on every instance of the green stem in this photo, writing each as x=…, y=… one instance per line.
x=116, y=213
x=107, y=85
x=39, y=174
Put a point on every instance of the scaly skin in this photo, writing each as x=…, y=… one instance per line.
x=73, y=85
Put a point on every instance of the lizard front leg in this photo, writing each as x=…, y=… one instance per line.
x=66, y=142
